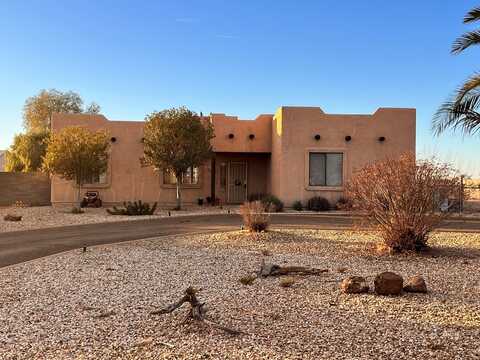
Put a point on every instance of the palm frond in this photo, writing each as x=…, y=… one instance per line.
x=465, y=41
x=472, y=16
x=458, y=115
x=472, y=83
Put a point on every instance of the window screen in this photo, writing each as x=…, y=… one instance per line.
x=325, y=169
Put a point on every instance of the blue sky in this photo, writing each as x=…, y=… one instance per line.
x=239, y=57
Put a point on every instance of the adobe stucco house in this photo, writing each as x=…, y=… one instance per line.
x=295, y=154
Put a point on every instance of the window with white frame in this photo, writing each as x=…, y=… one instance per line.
x=325, y=169
x=191, y=177
x=99, y=179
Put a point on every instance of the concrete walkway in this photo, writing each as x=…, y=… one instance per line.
x=20, y=246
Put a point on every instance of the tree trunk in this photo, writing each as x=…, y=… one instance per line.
x=179, y=196
x=79, y=194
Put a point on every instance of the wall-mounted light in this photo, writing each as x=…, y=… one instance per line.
x=251, y=136
x=113, y=139
x=317, y=137
x=348, y=138
x=381, y=138
x=231, y=136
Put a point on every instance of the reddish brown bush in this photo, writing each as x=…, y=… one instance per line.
x=254, y=216
x=403, y=199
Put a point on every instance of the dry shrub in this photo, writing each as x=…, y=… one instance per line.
x=248, y=279
x=287, y=281
x=403, y=199
x=254, y=216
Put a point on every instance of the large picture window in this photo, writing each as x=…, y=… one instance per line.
x=325, y=169
x=191, y=177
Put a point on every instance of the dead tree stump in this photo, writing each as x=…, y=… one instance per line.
x=197, y=311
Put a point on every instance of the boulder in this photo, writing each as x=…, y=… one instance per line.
x=388, y=283
x=415, y=284
x=354, y=285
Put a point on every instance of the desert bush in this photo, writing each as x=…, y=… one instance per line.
x=248, y=279
x=343, y=203
x=270, y=202
x=76, y=210
x=136, y=208
x=318, y=203
x=297, y=205
x=402, y=199
x=10, y=217
x=254, y=216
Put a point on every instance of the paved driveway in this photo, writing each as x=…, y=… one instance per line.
x=20, y=246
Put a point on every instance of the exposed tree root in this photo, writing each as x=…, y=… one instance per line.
x=277, y=270
x=197, y=311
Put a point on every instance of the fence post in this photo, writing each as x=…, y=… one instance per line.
x=462, y=193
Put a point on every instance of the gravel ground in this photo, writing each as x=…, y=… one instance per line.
x=96, y=305
x=49, y=216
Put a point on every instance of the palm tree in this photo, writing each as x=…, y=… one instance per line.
x=461, y=112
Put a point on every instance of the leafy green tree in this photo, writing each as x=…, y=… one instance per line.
x=77, y=154
x=176, y=140
x=26, y=152
x=461, y=111
x=38, y=109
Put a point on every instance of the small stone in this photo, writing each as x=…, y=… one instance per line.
x=354, y=285
x=388, y=283
x=416, y=284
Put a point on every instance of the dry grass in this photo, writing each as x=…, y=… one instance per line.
x=248, y=279
x=287, y=281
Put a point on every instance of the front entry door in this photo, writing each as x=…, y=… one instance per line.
x=237, y=182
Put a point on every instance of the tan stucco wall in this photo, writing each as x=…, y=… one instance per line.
x=261, y=128
x=295, y=131
x=277, y=157
x=127, y=179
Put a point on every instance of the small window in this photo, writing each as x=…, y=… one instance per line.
x=97, y=179
x=191, y=177
x=325, y=169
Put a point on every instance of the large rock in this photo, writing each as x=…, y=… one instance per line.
x=354, y=285
x=388, y=283
x=415, y=284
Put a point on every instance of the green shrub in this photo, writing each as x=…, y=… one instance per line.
x=343, y=204
x=297, y=205
x=270, y=202
x=136, y=208
x=318, y=203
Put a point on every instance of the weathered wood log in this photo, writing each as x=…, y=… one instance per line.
x=277, y=270
x=197, y=311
